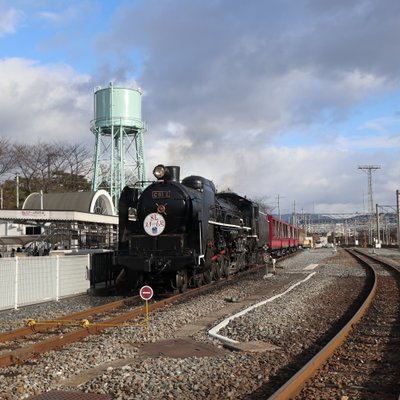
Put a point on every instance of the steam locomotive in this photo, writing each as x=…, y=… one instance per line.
x=177, y=234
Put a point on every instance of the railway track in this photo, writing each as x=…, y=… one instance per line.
x=125, y=361
x=362, y=361
x=40, y=336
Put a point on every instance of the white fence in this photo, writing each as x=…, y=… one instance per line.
x=31, y=280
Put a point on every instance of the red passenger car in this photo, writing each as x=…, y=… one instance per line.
x=283, y=237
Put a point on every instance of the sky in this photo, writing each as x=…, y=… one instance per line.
x=270, y=98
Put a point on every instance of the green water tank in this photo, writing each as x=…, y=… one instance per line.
x=118, y=106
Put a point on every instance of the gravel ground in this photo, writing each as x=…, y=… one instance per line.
x=293, y=323
x=366, y=365
x=393, y=253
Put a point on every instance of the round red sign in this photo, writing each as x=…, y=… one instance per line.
x=146, y=292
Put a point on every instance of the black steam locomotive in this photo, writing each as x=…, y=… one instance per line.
x=178, y=234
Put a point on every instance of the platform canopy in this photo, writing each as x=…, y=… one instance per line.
x=88, y=213
x=95, y=202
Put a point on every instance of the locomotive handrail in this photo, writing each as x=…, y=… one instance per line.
x=229, y=225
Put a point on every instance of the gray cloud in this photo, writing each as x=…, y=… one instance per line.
x=223, y=79
x=230, y=71
x=46, y=103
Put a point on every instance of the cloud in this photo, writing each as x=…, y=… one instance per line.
x=49, y=102
x=9, y=20
x=64, y=16
x=226, y=67
x=224, y=80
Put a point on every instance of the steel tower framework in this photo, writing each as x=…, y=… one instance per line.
x=119, y=146
x=369, y=169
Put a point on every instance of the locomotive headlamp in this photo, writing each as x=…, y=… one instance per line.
x=159, y=171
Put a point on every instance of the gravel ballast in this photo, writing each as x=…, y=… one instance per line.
x=292, y=324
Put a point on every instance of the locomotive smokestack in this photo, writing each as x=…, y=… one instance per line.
x=173, y=173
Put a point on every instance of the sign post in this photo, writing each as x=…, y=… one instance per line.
x=146, y=293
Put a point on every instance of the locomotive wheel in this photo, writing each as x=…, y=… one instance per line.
x=224, y=266
x=216, y=270
x=181, y=281
x=239, y=262
x=207, y=278
x=198, y=280
x=242, y=261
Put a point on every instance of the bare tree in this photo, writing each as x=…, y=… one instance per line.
x=52, y=167
x=262, y=204
x=7, y=162
x=30, y=164
x=76, y=165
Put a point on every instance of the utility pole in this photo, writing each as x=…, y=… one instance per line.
x=294, y=221
x=279, y=208
x=378, y=236
x=398, y=217
x=369, y=169
x=17, y=188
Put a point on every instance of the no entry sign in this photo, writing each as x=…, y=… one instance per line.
x=146, y=292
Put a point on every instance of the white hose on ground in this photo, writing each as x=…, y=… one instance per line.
x=214, y=331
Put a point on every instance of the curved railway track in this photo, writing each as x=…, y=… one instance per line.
x=178, y=350
x=40, y=336
x=363, y=360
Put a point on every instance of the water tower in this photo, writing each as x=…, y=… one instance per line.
x=118, y=130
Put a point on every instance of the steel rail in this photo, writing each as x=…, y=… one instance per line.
x=27, y=331
x=295, y=384
x=18, y=356
x=383, y=260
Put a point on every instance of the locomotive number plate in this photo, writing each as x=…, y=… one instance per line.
x=161, y=194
